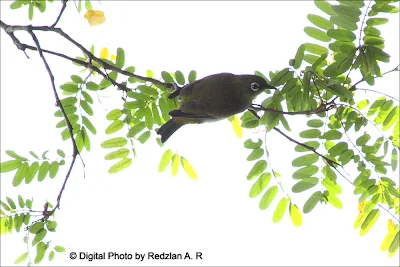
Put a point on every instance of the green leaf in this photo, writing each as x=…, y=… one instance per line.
x=43, y=170
x=385, y=8
x=369, y=221
x=316, y=34
x=148, y=118
x=59, y=249
x=312, y=202
x=260, y=185
x=20, y=174
x=257, y=169
x=282, y=77
x=188, y=168
x=332, y=135
x=136, y=129
x=86, y=107
x=120, y=61
x=310, y=133
x=338, y=149
x=165, y=159
x=21, y=202
x=119, y=166
x=22, y=257
x=92, y=86
x=175, y=164
x=315, y=123
x=70, y=87
x=280, y=210
x=340, y=91
x=320, y=22
x=144, y=137
x=331, y=186
x=305, y=160
x=51, y=255
x=395, y=243
x=10, y=165
x=316, y=49
x=348, y=12
x=11, y=203
x=295, y=215
x=362, y=104
x=343, y=23
x=39, y=236
x=305, y=184
x=88, y=124
x=28, y=203
x=114, y=114
x=268, y=197
x=179, y=77
x=36, y=227
x=87, y=97
x=298, y=59
x=51, y=226
x=391, y=118
x=305, y=172
x=5, y=206
x=114, y=142
x=394, y=159
x=69, y=101
x=148, y=90
x=156, y=115
x=324, y=6
x=255, y=154
x=167, y=77
x=114, y=127
x=376, y=21
x=249, y=144
x=40, y=251
x=346, y=156
x=313, y=144
x=192, y=76
x=120, y=153
x=334, y=200
x=53, y=169
x=134, y=104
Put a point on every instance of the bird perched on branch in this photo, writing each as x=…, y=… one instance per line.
x=213, y=98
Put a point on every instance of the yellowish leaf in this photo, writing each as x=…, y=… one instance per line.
x=113, y=57
x=104, y=53
x=95, y=17
x=188, y=168
x=361, y=206
x=237, y=128
x=391, y=226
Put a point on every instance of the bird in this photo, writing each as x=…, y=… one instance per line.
x=212, y=98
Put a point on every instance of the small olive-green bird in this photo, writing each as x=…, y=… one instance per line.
x=213, y=98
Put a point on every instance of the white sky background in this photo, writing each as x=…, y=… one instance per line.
x=140, y=210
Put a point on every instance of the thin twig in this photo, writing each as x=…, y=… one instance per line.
x=12, y=28
x=64, y=2
x=320, y=109
x=69, y=125
x=329, y=161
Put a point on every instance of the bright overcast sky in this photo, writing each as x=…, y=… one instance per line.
x=140, y=210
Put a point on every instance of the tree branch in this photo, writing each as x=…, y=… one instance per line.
x=10, y=29
x=69, y=125
x=64, y=2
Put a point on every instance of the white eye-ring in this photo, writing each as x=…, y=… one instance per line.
x=254, y=86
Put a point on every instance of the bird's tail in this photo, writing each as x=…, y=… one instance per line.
x=168, y=128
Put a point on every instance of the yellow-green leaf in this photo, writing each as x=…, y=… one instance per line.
x=119, y=166
x=188, y=168
x=165, y=159
x=280, y=210
x=295, y=215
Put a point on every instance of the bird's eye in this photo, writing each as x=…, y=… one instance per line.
x=254, y=86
